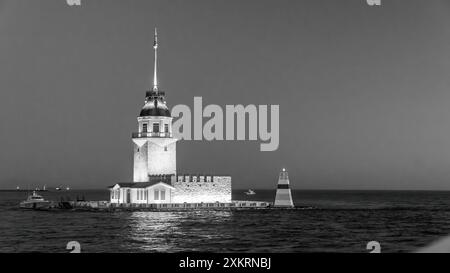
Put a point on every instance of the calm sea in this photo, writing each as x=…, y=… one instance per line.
x=331, y=221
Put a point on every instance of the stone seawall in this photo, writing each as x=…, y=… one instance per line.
x=107, y=206
x=197, y=189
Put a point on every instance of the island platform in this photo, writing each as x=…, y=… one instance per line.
x=108, y=206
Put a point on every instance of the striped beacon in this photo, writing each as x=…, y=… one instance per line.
x=283, y=197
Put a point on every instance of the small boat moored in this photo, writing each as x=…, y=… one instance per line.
x=35, y=202
x=250, y=192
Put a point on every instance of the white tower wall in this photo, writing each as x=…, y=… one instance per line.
x=140, y=173
x=162, y=156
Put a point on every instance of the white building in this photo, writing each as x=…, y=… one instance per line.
x=142, y=193
x=155, y=168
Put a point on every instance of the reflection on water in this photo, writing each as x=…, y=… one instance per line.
x=163, y=231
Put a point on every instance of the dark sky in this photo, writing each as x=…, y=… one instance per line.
x=363, y=91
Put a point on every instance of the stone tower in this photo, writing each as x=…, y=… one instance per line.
x=283, y=197
x=154, y=145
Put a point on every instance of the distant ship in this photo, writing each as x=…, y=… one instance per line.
x=38, y=189
x=250, y=192
x=35, y=202
x=57, y=188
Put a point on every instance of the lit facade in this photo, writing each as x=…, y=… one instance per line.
x=142, y=193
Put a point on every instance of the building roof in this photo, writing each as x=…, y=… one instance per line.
x=144, y=185
x=122, y=185
x=155, y=105
x=140, y=185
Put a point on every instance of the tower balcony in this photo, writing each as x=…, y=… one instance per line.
x=150, y=134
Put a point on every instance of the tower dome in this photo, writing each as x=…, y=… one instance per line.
x=155, y=105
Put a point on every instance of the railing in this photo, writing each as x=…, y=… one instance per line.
x=148, y=134
x=175, y=206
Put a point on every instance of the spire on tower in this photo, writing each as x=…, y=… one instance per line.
x=155, y=75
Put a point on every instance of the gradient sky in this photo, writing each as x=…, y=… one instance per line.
x=363, y=91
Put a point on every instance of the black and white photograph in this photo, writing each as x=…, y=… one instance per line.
x=253, y=127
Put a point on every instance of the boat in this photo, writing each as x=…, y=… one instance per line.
x=43, y=189
x=67, y=189
x=250, y=192
x=36, y=202
x=58, y=189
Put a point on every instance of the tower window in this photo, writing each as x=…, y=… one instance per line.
x=165, y=148
x=166, y=128
x=155, y=127
x=144, y=127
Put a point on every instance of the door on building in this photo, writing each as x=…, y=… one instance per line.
x=128, y=196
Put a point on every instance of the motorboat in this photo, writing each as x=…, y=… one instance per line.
x=36, y=202
x=250, y=192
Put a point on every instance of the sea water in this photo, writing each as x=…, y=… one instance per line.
x=328, y=221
